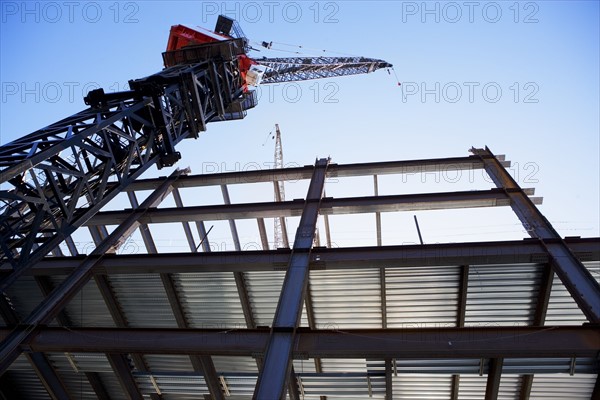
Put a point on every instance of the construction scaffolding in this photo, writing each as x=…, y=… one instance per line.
x=501, y=319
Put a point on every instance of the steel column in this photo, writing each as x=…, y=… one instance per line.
x=580, y=283
x=277, y=364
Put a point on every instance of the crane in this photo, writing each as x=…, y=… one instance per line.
x=61, y=175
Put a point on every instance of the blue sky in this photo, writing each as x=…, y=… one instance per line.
x=520, y=77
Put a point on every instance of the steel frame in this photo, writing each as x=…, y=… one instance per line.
x=284, y=340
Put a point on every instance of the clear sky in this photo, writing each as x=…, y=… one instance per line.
x=520, y=77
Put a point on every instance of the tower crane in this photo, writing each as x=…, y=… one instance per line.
x=280, y=229
x=56, y=178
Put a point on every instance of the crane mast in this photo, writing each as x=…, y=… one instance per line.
x=61, y=175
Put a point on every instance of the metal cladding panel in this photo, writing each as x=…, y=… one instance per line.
x=346, y=299
x=344, y=365
x=263, y=291
x=304, y=366
x=472, y=387
x=87, y=308
x=210, y=300
x=421, y=296
x=28, y=384
x=549, y=365
x=241, y=385
x=180, y=387
x=226, y=365
x=502, y=295
x=143, y=300
x=168, y=362
x=113, y=387
x=421, y=386
x=562, y=309
x=79, y=362
x=21, y=363
x=72, y=368
x=441, y=366
x=343, y=387
x=510, y=385
x=264, y=288
x=562, y=386
x=78, y=385
x=24, y=295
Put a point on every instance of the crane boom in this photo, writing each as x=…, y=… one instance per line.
x=306, y=68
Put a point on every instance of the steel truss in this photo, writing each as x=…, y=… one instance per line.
x=525, y=350
x=61, y=175
x=306, y=68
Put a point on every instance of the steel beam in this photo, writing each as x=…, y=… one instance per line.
x=417, y=343
x=463, y=289
x=121, y=322
x=40, y=364
x=55, y=302
x=48, y=375
x=389, y=387
x=492, y=387
x=330, y=206
x=544, y=291
x=292, y=389
x=207, y=367
x=482, y=253
x=525, y=390
x=410, y=167
x=240, y=278
x=202, y=364
x=277, y=364
x=455, y=387
x=97, y=385
x=580, y=283
x=120, y=366
x=63, y=319
x=312, y=324
x=596, y=392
